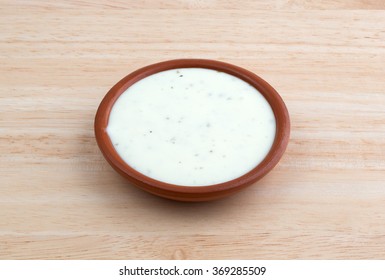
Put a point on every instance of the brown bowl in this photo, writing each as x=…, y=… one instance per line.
x=199, y=193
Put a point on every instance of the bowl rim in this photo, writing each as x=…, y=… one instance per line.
x=158, y=187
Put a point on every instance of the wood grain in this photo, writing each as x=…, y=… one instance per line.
x=59, y=199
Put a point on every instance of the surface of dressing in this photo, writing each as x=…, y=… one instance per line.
x=192, y=127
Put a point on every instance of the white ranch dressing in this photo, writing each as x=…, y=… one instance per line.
x=192, y=126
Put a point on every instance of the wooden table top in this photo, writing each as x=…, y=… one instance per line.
x=59, y=199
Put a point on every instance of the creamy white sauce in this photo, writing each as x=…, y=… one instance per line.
x=192, y=127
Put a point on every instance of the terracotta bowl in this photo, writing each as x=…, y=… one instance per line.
x=186, y=193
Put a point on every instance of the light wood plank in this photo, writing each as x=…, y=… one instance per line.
x=60, y=199
x=206, y=4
